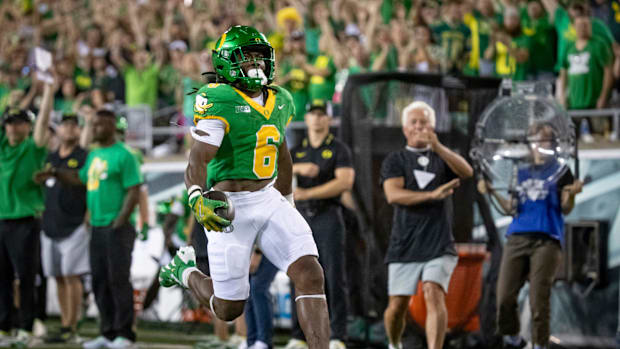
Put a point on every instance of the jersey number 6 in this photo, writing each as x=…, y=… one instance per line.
x=265, y=151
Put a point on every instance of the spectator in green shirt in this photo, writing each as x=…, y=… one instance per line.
x=482, y=21
x=21, y=205
x=425, y=12
x=141, y=77
x=291, y=74
x=113, y=179
x=510, y=48
x=535, y=24
x=454, y=37
x=563, y=22
x=322, y=71
x=587, y=70
x=420, y=55
x=69, y=101
x=383, y=53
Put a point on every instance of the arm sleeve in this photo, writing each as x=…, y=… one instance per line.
x=391, y=168
x=210, y=104
x=343, y=157
x=605, y=55
x=565, y=179
x=559, y=16
x=601, y=31
x=131, y=175
x=210, y=131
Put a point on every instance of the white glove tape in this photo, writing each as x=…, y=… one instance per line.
x=194, y=191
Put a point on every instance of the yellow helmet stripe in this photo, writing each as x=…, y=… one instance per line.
x=221, y=42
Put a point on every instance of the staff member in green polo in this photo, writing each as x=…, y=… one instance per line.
x=21, y=205
x=112, y=177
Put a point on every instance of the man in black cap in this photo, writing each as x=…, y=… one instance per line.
x=64, y=243
x=324, y=171
x=21, y=205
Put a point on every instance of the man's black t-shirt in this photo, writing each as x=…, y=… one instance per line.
x=329, y=156
x=424, y=231
x=65, y=205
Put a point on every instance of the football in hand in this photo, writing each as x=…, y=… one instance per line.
x=227, y=213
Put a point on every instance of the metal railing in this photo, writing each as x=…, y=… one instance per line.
x=141, y=130
x=139, y=126
x=595, y=113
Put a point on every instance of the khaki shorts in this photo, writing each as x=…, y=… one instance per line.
x=66, y=256
x=403, y=278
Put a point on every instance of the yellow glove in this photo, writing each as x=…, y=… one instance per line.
x=204, y=210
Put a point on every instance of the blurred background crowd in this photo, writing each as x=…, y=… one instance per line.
x=152, y=52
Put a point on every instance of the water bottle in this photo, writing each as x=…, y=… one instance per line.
x=282, y=310
x=584, y=130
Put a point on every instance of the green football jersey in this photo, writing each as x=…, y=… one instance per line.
x=254, y=133
x=108, y=173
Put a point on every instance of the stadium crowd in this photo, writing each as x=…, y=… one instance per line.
x=153, y=53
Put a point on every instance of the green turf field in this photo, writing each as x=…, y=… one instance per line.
x=158, y=335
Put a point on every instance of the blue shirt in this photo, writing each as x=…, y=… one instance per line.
x=539, y=209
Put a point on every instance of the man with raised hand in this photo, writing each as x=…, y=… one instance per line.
x=21, y=206
x=419, y=181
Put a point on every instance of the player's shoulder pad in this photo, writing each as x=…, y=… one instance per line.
x=282, y=91
x=211, y=95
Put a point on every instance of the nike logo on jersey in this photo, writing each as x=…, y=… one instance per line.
x=281, y=106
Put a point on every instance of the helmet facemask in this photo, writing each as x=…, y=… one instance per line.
x=259, y=74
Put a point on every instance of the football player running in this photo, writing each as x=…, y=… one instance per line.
x=240, y=149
